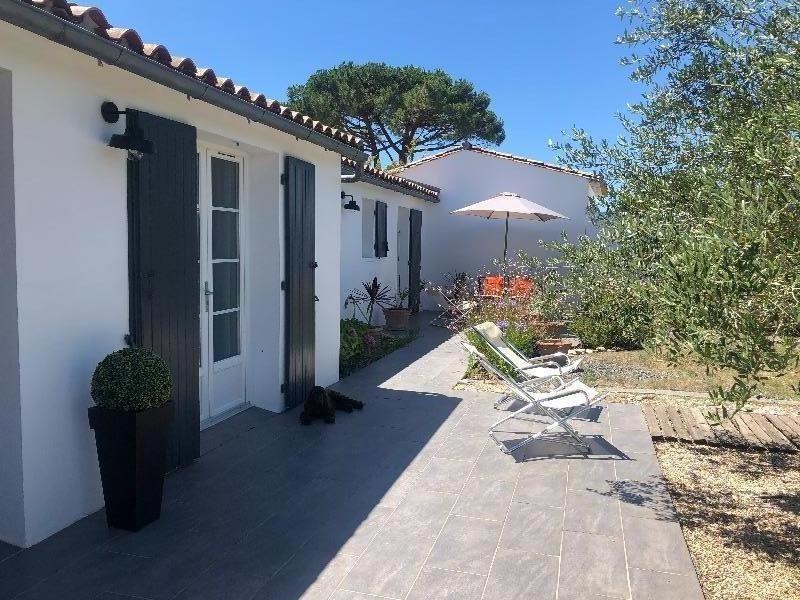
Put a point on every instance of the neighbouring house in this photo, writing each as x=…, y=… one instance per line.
x=210, y=201
x=467, y=174
x=382, y=226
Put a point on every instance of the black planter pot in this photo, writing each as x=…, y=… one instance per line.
x=131, y=450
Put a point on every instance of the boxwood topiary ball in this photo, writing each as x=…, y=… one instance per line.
x=132, y=379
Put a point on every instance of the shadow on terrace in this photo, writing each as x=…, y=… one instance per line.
x=405, y=500
x=271, y=509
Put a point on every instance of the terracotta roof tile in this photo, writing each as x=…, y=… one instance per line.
x=159, y=53
x=430, y=191
x=93, y=19
x=184, y=65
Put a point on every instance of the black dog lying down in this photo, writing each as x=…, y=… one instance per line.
x=323, y=403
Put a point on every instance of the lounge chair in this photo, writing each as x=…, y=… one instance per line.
x=526, y=368
x=564, y=402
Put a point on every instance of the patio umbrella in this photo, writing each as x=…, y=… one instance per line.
x=509, y=205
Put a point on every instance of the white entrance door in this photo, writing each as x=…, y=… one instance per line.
x=222, y=280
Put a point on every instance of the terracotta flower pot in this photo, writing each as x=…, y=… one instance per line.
x=397, y=318
x=553, y=345
x=550, y=328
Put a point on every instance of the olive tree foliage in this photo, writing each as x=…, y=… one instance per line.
x=398, y=111
x=701, y=222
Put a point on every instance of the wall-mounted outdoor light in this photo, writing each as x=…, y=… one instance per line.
x=351, y=204
x=132, y=140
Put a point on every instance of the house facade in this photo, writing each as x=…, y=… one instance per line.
x=469, y=174
x=210, y=233
x=382, y=226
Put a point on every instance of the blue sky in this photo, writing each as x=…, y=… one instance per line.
x=547, y=65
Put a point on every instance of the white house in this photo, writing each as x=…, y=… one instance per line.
x=469, y=174
x=382, y=227
x=210, y=204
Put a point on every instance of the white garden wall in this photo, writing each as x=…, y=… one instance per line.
x=355, y=267
x=456, y=243
x=71, y=260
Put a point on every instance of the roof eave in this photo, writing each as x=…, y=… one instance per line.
x=40, y=22
x=365, y=177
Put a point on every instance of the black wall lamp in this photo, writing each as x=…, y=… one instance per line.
x=351, y=204
x=132, y=140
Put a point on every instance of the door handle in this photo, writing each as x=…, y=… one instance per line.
x=207, y=292
x=314, y=265
x=316, y=298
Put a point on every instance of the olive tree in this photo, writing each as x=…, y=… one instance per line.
x=703, y=203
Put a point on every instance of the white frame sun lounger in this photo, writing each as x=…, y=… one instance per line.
x=565, y=402
x=527, y=368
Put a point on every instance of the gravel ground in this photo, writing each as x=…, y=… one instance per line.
x=740, y=513
x=603, y=370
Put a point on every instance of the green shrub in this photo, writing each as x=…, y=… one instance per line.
x=352, y=343
x=132, y=379
x=361, y=345
x=614, y=320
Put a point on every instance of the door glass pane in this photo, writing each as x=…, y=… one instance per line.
x=226, y=286
x=224, y=234
x=224, y=183
x=226, y=335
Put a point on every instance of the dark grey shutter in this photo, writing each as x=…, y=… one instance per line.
x=381, y=240
x=414, y=259
x=300, y=266
x=164, y=267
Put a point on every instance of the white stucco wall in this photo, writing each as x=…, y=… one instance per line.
x=357, y=269
x=456, y=243
x=71, y=260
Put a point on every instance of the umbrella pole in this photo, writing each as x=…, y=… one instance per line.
x=505, y=245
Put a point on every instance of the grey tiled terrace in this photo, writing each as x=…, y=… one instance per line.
x=405, y=500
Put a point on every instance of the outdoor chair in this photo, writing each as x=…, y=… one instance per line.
x=492, y=286
x=526, y=368
x=561, y=404
x=453, y=310
x=521, y=287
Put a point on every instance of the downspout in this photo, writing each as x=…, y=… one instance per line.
x=40, y=22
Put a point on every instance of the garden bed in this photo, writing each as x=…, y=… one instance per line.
x=740, y=514
x=362, y=344
x=640, y=369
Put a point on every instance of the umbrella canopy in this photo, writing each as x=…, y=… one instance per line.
x=509, y=205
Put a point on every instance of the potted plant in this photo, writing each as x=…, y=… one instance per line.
x=396, y=314
x=132, y=413
x=366, y=299
x=553, y=345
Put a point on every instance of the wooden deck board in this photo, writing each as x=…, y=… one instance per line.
x=784, y=425
x=677, y=422
x=745, y=430
x=729, y=434
x=666, y=426
x=651, y=419
x=700, y=428
x=780, y=441
x=792, y=422
x=758, y=431
x=750, y=438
